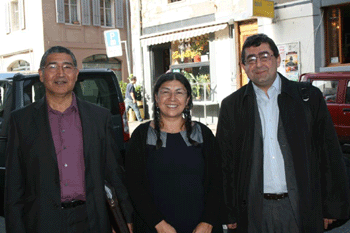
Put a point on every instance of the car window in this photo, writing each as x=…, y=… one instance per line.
x=5, y=105
x=98, y=89
x=328, y=88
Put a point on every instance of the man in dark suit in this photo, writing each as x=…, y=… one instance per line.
x=60, y=152
x=282, y=165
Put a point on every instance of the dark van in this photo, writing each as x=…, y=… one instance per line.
x=335, y=87
x=98, y=86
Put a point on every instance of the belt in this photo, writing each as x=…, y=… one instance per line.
x=71, y=204
x=275, y=196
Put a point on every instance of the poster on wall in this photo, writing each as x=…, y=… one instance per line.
x=290, y=60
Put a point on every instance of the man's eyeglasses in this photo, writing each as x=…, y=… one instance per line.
x=67, y=68
x=263, y=57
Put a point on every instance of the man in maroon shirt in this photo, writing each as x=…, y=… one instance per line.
x=60, y=152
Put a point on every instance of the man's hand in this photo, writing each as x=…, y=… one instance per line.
x=203, y=227
x=130, y=227
x=232, y=226
x=327, y=222
x=164, y=227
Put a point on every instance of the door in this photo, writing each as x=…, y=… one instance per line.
x=245, y=29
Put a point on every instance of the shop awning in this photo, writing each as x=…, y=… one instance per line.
x=178, y=35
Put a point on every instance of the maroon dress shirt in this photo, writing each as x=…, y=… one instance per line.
x=67, y=135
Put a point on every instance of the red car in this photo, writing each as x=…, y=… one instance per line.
x=335, y=87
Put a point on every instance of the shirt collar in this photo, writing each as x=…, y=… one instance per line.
x=275, y=85
x=72, y=107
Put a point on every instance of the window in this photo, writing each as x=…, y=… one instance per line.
x=19, y=65
x=328, y=88
x=191, y=57
x=71, y=11
x=106, y=13
x=14, y=15
x=337, y=35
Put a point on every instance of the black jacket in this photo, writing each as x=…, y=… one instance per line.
x=33, y=196
x=319, y=167
x=146, y=212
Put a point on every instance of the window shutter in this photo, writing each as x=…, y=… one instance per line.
x=21, y=14
x=7, y=17
x=119, y=12
x=85, y=4
x=96, y=12
x=60, y=11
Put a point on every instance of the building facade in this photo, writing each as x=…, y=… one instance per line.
x=31, y=27
x=203, y=39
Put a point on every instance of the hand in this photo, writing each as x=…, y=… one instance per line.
x=130, y=227
x=327, y=222
x=164, y=227
x=232, y=226
x=134, y=101
x=203, y=227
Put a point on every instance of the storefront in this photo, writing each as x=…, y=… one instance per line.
x=187, y=51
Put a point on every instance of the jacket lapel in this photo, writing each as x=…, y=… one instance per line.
x=42, y=122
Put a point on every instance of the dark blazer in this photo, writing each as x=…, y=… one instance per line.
x=32, y=195
x=146, y=214
x=319, y=168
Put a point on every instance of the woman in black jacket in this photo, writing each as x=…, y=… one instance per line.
x=173, y=166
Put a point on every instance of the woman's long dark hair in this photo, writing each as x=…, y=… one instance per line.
x=187, y=111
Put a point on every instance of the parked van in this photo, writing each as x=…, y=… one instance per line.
x=98, y=86
x=335, y=87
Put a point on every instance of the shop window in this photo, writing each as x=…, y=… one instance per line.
x=71, y=11
x=191, y=57
x=337, y=35
x=328, y=89
x=14, y=15
x=106, y=13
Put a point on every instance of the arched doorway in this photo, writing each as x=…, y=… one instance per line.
x=19, y=65
x=102, y=61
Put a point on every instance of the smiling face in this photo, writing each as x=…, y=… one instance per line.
x=171, y=99
x=59, y=74
x=262, y=73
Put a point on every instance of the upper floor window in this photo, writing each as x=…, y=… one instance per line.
x=106, y=13
x=337, y=35
x=71, y=11
x=14, y=15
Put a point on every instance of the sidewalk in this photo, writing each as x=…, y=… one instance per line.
x=133, y=125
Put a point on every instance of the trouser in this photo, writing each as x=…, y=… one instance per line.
x=75, y=220
x=130, y=104
x=278, y=217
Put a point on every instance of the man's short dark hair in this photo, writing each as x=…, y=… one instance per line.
x=133, y=78
x=257, y=40
x=57, y=49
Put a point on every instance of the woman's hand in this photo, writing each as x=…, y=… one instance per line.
x=203, y=227
x=164, y=227
x=232, y=226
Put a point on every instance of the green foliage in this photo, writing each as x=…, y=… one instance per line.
x=197, y=83
x=138, y=92
x=122, y=86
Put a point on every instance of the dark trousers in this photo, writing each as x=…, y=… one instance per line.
x=278, y=217
x=75, y=220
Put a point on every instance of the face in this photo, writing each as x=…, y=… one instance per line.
x=264, y=70
x=59, y=74
x=172, y=99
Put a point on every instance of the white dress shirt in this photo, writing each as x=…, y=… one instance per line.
x=274, y=172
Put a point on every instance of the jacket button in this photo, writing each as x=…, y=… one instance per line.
x=244, y=202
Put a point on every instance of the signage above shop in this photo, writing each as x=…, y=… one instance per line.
x=263, y=8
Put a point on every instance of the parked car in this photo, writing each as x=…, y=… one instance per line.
x=98, y=86
x=335, y=87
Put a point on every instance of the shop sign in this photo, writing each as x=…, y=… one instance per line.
x=263, y=8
